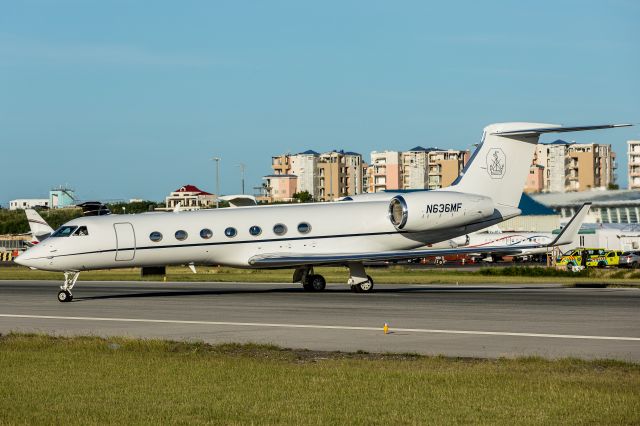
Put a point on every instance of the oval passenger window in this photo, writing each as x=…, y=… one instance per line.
x=304, y=228
x=181, y=235
x=206, y=234
x=155, y=236
x=279, y=229
x=230, y=232
x=255, y=230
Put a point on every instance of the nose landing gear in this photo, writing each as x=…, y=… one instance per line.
x=70, y=278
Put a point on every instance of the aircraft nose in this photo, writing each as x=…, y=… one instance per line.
x=29, y=257
x=22, y=259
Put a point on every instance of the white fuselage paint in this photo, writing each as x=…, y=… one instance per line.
x=340, y=227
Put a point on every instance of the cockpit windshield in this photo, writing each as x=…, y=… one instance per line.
x=64, y=231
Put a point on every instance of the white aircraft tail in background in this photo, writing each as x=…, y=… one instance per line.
x=39, y=228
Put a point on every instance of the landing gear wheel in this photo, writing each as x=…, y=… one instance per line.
x=307, y=286
x=317, y=282
x=364, y=287
x=65, y=296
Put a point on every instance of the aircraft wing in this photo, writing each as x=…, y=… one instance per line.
x=275, y=260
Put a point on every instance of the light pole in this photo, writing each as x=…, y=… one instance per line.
x=242, y=168
x=217, y=160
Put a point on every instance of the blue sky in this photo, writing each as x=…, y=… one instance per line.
x=125, y=99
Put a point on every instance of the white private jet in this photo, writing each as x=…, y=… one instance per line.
x=302, y=236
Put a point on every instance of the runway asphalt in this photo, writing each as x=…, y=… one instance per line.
x=469, y=321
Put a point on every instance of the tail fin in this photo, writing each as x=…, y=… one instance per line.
x=498, y=168
x=570, y=232
x=39, y=228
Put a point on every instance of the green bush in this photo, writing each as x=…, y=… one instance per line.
x=533, y=271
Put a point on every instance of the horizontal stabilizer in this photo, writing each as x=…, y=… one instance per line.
x=558, y=129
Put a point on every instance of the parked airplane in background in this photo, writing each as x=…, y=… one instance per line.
x=302, y=236
x=40, y=229
x=503, y=243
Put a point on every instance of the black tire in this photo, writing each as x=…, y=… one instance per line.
x=317, y=282
x=64, y=296
x=634, y=265
x=307, y=286
x=602, y=265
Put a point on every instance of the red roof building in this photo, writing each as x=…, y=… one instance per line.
x=190, y=197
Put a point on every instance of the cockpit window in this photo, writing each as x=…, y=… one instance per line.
x=64, y=231
x=82, y=231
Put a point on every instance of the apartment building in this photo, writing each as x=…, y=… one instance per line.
x=633, y=153
x=590, y=166
x=415, y=170
x=571, y=167
x=304, y=166
x=339, y=174
x=384, y=172
x=279, y=188
x=325, y=176
x=445, y=166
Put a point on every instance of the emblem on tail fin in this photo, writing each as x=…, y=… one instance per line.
x=496, y=163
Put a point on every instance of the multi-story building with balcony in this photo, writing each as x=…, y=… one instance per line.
x=385, y=171
x=445, y=166
x=572, y=167
x=325, y=176
x=339, y=175
x=633, y=161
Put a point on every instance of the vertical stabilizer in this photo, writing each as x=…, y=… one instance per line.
x=39, y=228
x=499, y=166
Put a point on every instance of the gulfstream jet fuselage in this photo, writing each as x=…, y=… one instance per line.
x=389, y=226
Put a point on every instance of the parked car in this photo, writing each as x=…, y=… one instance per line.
x=630, y=259
x=574, y=257
x=610, y=258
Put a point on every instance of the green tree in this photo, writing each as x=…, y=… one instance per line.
x=303, y=197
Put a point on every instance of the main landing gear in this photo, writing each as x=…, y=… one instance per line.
x=359, y=281
x=309, y=280
x=70, y=278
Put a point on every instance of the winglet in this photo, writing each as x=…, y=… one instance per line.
x=569, y=232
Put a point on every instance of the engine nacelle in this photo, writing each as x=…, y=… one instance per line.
x=425, y=211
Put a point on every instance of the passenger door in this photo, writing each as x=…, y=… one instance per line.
x=125, y=241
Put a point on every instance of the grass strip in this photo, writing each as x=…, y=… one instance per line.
x=88, y=380
x=394, y=274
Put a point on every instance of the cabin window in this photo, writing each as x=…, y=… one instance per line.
x=230, y=232
x=206, y=234
x=255, y=230
x=181, y=235
x=304, y=228
x=155, y=236
x=82, y=231
x=64, y=231
x=279, y=229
